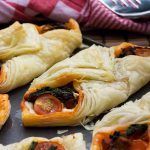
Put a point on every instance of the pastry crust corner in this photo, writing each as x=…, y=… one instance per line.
x=72, y=24
x=2, y=74
x=4, y=108
x=56, y=119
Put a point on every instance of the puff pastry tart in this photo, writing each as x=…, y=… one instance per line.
x=4, y=109
x=70, y=142
x=34, y=52
x=77, y=89
x=124, y=128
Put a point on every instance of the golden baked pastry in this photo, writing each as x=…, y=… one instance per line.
x=77, y=89
x=4, y=109
x=69, y=142
x=26, y=54
x=126, y=127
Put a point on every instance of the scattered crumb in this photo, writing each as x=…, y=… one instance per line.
x=61, y=131
x=84, y=46
x=89, y=126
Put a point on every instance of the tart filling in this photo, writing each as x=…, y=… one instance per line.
x=48, y=145
x=135, y=137
x=49, y=100
x=125, y=49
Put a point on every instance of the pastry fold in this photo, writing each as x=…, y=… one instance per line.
x=132, y=114
x=69, y=142
x=18, y=39
x=100, y=82
x=4, y=109
x=37, y=52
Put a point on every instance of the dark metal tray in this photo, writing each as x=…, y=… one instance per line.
x=13, y=130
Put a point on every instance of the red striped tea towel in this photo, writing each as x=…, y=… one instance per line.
x=89, y=13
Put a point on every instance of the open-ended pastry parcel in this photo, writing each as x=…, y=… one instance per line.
x=26, y=52
x=124, y=128
x=77, y=89
x=69, y=142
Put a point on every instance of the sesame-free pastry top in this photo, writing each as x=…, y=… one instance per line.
x=124, y=128
x=79, y=88
x=28, y=50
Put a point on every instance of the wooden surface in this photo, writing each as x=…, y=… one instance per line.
x=111, y=38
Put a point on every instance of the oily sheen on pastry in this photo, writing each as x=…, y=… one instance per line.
x=26, y=53
x=77, y=89
x=124, y=128
x=70, y=142
x=4, y=109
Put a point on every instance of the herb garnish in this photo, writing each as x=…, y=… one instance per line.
x=115, y=136
x=33, y=145
x=63, y=93
x=136, y=128
x=123, y=141
x=53, y=147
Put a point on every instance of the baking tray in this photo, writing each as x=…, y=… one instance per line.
x=13, y=130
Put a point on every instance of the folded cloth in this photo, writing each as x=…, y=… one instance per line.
x=107, y=14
